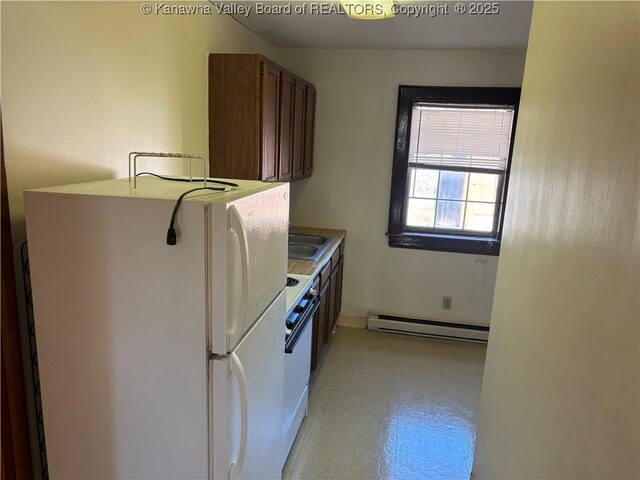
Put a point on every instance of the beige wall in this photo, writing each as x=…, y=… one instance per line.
x=85, y=83
x=355, y=128
x=561, y=386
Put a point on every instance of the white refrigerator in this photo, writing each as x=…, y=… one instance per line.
x=159, y=361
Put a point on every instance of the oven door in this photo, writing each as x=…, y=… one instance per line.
x=297, y=366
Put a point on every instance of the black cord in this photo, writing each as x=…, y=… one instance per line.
x=172, y=238
x=189, y=180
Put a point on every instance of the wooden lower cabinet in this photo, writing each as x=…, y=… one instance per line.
x=320, y=328
x=337, y=299
x=331, y=309
x=326, y=317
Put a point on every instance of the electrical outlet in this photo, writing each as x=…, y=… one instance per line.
x=446, y=303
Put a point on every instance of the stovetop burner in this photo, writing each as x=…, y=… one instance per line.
x=292, y=282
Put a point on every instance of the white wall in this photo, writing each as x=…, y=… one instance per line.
x=350, y=186
x=560, y=397
x=85, y=83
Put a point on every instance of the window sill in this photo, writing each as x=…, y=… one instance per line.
x=445, y=243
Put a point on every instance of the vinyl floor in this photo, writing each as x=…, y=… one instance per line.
x=388, y=406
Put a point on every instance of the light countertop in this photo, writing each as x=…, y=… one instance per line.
x=312, y=267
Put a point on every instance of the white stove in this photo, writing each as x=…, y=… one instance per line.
x=302, y=303
x=296, y=292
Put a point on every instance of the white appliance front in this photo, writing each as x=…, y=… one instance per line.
x=246, y=402
x=124, y=324
x=296, y=392
x=248, y=262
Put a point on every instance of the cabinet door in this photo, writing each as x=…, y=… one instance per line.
x=298, y=129
x=331, y=309
x=338, y=294
x=270, y=107
x=287, y=93
x=235, y=116
x=314, y=340
x=309, y=126
x=321, y=326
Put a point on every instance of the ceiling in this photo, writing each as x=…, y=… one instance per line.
x=507, y=29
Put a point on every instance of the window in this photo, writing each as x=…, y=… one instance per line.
x=451, y=168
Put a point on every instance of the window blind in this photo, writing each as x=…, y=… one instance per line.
x=460, y=136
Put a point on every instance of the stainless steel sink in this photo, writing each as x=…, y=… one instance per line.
x=301, y=239
x=306, y=247
x=302, y=251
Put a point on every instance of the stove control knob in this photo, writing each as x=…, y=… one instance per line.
x=298, y=309
x=288, y=324
x=313, y=292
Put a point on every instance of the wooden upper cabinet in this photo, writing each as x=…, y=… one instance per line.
x=270, y=121
x=309, y=128
x=259, y=122
x=234, y=116
x=298, y=130
x=287, y=94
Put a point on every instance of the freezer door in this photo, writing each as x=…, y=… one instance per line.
x=246, y=402
x=247, y=262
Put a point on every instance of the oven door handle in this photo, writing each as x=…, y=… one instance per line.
x=302, y=325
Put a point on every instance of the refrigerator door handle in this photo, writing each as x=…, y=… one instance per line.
x=238, y=226
x=238, y=371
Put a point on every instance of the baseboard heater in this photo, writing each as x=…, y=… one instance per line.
x=427, y=328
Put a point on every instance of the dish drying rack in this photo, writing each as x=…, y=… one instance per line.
x=133, y=157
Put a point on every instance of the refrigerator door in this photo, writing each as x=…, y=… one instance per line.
x=246, y=402
x=247, y=253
